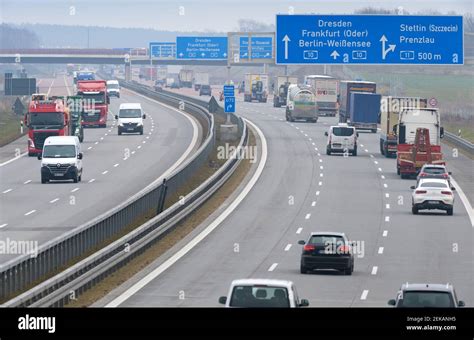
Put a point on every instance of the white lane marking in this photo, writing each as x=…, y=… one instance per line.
x=313, y=143
x=366, y=150
x=321, y=167
x=110, y=130
x=55, y=200
x=385, y=185
x=13, y=159
x=320, y=183
x=310, y=139
x=371, y=156
x=92, y=180
x=101, y=138
x=26, y=182
x=299, y=230
x=387, y=218
x=321, y=175
x=74, y=190
x=288, y=246
x=364, y=294
x=313, y=203
x=7, y=191
x=387, y=206
x=147, y=137
x=297, y=128
x=184, y=250
x=90, y=147
x=380, y=250
x=133, y=152
x=116, y=165
x=106, y=134
x=387, y=195
x=376, y=162
x=139, y=147
x=374, y=270
x=67, y=86
x=50, y=86
x=144, y=142
x=106, y=171
x=464, y=200
x=385, y=233
x=362, y=145
x=319, y=155
x=382, y=177
x=307, y=216
x=3, y=225
x=320, y=161
x=272, y=267
x=317, y=193
x=380, y=169
x=30, y=212
x=96, y=143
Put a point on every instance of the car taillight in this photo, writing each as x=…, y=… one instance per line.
x=446, y=192
x=344, y=249
x=445, y=175
x=422, y=174
x=420, y=192
x=308, y=247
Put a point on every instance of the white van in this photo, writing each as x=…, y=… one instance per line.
x=342, y=138
x=130, y=118
x=113, y=88
x=61, y=159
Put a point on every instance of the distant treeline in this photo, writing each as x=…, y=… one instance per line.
x=17, y=37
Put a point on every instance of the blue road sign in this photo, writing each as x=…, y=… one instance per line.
x=163, y=50
x=369, y=39
x=201, y=47
x=229, y=91
x=261, y=48
x=229, y=104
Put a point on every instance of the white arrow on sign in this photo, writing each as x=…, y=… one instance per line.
x=224, y=55
x=384, y=39
x=181, y=54
x=334, y=54
x=203, y=54
x=286, y=39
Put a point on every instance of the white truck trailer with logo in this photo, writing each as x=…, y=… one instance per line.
x=326, y=89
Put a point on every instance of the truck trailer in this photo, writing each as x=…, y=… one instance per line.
x=256, y=87
x=346, y=87
x=200, y=78
x=364, y=111
x=325, y=89
x=280, y=89
x=186, y=78
x=301, y=104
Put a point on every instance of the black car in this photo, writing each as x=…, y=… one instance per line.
x=327, y=250
x=205, y=90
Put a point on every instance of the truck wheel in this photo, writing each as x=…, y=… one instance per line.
x=141, y=131
x=287, y=119
x=328, y=151
x=44, y=179
x=76, y=177
x=354, y=152
x=349, y=270
x=31, y=154
x=398, y=170
x=404, y=176
x=80, y=177
x=119, y=131
x=381, y=148
x=450, y=212
x=303, y=269
x=414, y=210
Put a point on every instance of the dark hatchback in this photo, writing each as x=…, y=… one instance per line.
x=327, y=250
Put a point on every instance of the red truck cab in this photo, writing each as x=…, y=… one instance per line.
x=45, y=118
x=96, y=102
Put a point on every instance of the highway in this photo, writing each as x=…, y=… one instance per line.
x=115, y=168
x=300, y=190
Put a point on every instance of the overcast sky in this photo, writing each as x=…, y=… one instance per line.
x=197, y=15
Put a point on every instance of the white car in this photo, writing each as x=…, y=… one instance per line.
x=255, y=293
x=130, y=118
x=113, y=88
x=61, y=159
x=432, y=193
x=342, y=138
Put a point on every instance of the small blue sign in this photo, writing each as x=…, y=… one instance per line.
x=201, y=48
x=261, y=48
x=369, y=39
x=229, y=91
x=229, y=104
x=163, y=50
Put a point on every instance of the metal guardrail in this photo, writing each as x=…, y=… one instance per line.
x=24, y=271
x=460, y=142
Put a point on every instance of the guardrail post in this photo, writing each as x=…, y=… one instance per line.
x=162, y=197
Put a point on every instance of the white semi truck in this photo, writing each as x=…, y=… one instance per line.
x=280, y=89
x=325, y=89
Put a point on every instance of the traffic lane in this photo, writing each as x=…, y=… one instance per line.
x=348, y=187
x=462, y=168
x=427, y=248
x=242, y=243
x=148, y=159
